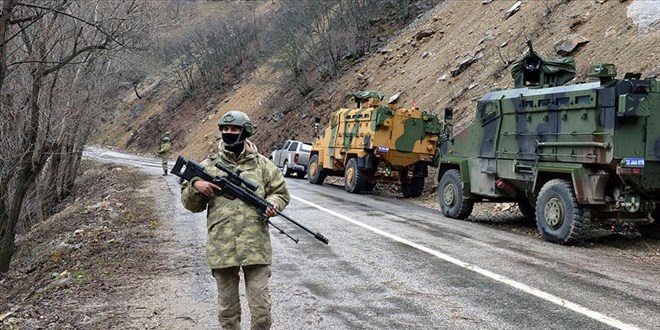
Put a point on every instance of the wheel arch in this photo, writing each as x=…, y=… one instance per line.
x=462, y=167
x=320, y=153
x=589, y=188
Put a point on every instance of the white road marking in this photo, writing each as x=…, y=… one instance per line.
x=497, y=277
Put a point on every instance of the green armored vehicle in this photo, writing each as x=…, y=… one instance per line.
x=573, y=157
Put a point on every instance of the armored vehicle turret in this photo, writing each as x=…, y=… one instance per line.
x=572, y=157
x=376, y=143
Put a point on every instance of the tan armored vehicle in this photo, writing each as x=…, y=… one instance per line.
x=376, y=143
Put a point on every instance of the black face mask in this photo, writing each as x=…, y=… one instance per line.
x=229, y=138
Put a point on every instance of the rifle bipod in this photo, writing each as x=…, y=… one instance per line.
x=282, y=231
x=318, y=236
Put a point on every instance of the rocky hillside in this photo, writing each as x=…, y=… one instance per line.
x=450, y=55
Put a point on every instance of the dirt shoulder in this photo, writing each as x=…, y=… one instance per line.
x=89, y=264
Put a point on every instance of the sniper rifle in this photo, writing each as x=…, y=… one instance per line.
x=232, y=186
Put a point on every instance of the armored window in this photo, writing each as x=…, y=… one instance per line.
x=582, y=99
x=487, y=111
x=532, y=71
x=334, y=120
x=562, y=101
x=544, y=103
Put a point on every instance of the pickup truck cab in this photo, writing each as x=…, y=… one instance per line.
x=292, y=157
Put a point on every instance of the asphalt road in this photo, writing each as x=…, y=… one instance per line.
x=391, y=264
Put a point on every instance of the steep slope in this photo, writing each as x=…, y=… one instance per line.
x=460, y=29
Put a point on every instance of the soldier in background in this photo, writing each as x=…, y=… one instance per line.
x=164, y=152
x=238, y=236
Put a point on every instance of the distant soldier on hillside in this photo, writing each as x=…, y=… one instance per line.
x=164, y=152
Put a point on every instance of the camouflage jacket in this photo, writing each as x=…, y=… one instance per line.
x=164, y=151
x=236, y=236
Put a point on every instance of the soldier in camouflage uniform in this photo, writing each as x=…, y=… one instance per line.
x=164, y=152
x=237, y=236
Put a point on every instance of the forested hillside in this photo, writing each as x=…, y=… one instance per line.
x=292, y=62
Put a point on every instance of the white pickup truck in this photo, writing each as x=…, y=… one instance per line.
x=292, y=157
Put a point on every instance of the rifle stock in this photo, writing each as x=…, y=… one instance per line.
x=232, y=187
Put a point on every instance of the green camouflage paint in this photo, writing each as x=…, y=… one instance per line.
x=388, y=143
x=602, y=138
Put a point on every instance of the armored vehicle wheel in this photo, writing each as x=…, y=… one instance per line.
x=355, y=180
x=450, y=192
x=412, y=187
x=528, y=211
x=315, y=173
x=285, y=169
x=559, y=218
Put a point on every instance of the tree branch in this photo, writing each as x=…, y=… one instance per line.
x=44, y=62
x=70, y=58
x=92, y=24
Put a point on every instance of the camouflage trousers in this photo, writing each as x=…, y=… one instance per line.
x=256, y=288
x=164, y=162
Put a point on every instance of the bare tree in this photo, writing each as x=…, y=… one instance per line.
x=313, y=37
x=213, y=53
x=50, y=51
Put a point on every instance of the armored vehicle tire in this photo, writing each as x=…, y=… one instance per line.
x=355, y=180
x=450, y=192
x=559, y=218
x=412, y=187
x=527, y=210
x=285, y=169
x=315, y=173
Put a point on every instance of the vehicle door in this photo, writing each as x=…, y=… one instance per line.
x=291, y=153
x=305, y=149
x=280, y=155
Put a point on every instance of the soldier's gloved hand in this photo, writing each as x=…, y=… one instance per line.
x=206, y=188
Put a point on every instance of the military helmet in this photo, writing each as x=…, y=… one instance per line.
x=237, y=118
x=165, y=139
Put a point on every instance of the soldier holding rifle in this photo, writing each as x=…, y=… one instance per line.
x=238, y=239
